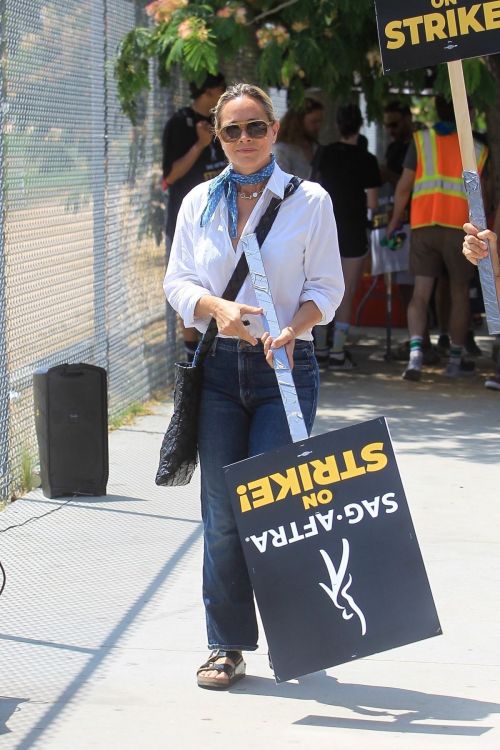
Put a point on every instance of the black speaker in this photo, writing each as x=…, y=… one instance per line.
x=71, y=419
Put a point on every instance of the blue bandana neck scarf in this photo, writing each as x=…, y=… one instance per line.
x=226, y=183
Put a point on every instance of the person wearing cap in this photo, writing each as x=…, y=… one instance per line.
x=432, y=174
x=191, y=155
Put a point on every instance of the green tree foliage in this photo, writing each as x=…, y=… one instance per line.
x=330, y=44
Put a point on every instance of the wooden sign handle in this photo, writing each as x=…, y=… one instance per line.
x=462, y=116
x=488, y=267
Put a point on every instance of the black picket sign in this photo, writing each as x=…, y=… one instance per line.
x=421, y=33
x=331, y=549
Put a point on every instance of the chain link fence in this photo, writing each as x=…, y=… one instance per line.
x=82, y=252
x=81, y=249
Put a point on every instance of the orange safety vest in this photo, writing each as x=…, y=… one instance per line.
x=439, y=195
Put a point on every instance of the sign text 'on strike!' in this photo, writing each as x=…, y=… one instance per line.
x=417, y=33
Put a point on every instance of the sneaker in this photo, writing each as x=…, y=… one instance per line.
x=411, y=373
x=464, y=369
x=430, y=354
x=342, y=361
x=470, y=345
x=493, y=383
x=443, y=344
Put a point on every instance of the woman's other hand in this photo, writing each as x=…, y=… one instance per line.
x=228, y=317
x=286, y=339
x=475, y=246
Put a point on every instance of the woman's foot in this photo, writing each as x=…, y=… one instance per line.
x=221, y=670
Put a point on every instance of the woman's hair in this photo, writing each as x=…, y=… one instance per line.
x=243, y=89
x=349, y=120
x=292, y=123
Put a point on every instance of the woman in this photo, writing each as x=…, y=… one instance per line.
x=351, y=176
x=241, y=411
x=296, y=149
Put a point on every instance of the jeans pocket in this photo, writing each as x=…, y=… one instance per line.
x=303, y=356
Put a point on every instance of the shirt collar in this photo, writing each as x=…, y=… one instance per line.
x=278, y=182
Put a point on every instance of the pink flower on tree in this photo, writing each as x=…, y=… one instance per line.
x=193, y=27
x=240, y=14
x=225, y=12
x=162, y=10
x=230, y=10
x=186, y=29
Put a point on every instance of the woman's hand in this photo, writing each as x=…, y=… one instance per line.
x=475, y=247
x=228, y=318
x=286, y=339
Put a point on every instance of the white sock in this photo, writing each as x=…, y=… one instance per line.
x=340, y=332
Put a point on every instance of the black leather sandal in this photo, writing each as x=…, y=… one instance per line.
x=234, y=671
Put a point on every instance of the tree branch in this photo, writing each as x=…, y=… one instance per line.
x=271, y=12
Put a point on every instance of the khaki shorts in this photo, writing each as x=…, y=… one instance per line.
x=436, y=248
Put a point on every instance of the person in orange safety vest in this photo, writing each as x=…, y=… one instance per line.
x=432, y=176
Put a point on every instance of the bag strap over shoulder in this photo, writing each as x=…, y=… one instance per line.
x=241, y=271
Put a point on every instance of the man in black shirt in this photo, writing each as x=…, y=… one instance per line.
x=190, y=156
x=350, y=174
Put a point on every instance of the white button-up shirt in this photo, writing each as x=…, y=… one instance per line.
x=300, y=255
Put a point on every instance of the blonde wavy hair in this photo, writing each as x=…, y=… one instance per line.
x=237, y=91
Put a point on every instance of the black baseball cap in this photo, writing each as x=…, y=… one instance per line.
x=210, y=82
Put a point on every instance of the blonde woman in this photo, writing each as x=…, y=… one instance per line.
x=241, y=412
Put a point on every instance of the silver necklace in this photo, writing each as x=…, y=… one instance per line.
x=251, y=196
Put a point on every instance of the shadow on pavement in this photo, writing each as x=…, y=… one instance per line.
x=459, y=418
x=390, y=709
x=8, y=706
x=99, y=503
x=99, y=656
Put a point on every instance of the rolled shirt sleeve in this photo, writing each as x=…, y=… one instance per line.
x=324, y=284
x=182, y=284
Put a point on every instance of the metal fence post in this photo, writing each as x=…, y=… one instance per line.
x=4, y=372
x=99, y=175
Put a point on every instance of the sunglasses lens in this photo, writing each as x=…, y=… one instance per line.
x=230, y=133
x=257, y=129
x=254, y=129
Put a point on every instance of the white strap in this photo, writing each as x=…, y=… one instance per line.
x=282, y=369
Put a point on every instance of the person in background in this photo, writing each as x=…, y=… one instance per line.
x=475, y=249
x=439, y=209
x=296, y=149
x=190, y=156
x=398, y=122
x=351, y=176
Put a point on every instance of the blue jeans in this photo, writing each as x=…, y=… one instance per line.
x=241, y=415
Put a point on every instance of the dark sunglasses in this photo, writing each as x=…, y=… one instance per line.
x=253, y=129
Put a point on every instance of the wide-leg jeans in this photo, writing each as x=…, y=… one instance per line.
x=241, y=415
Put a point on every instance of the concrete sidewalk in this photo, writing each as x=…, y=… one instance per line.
x=102, y=627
